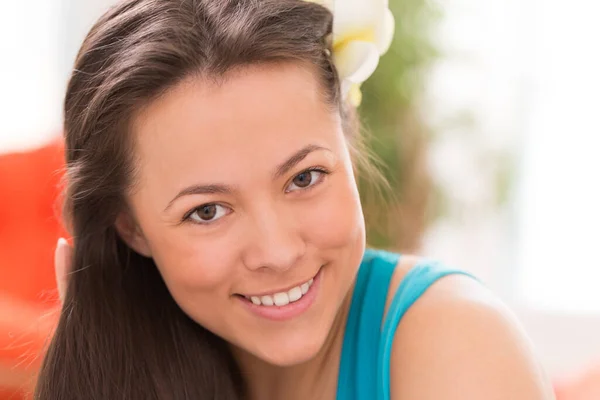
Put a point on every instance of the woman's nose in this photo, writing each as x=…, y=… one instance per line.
x=274, y=242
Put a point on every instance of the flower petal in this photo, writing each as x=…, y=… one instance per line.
x=346, y=87
x=385, y=32
x=356, y=61
x=351, y=93
x=355, y=95
x=357, y=15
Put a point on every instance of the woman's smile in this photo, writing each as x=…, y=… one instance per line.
x=284, y=304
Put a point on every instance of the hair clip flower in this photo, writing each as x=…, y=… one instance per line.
x=362, y=32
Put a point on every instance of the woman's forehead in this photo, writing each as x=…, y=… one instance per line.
x=251, y=118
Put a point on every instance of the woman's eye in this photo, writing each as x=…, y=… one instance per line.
x=207, y=213
x=305, y=179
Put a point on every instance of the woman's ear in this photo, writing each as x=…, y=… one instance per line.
x=132, y=235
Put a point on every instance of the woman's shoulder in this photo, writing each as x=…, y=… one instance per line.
x=458, y=340
x=454, y=286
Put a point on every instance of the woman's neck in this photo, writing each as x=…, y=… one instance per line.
x=314, y=379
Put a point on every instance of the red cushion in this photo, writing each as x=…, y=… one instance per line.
x=29, y=228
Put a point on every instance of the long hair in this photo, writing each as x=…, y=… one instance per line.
x=120, y=334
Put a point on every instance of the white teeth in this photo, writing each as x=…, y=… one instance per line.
x=304, y=288
x=295, y=294
x=281, y=299
x=266, y=300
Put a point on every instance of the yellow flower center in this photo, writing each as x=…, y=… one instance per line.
x=355, y=95
x=360, y=35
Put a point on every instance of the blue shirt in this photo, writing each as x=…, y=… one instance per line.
x=366, y=351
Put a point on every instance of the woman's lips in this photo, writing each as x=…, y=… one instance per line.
x=286, y=304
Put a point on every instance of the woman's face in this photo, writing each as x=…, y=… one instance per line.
x=246, y=197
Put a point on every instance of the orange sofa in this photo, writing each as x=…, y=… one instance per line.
x=29, y=229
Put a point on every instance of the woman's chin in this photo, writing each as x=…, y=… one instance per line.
x=289, y=358
x=287, y=353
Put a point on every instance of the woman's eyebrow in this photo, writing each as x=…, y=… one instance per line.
x=298, y=156
x=201, y=189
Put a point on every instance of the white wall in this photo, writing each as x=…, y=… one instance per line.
x=38, y=43
x=31, y=91
x=566, y=343
x=516, y=95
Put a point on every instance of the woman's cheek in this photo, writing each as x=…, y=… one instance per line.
x=193, y=261
x=334, y=218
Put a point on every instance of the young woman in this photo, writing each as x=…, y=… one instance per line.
x=219, y=241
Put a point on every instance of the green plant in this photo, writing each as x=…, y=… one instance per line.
x=398, y=133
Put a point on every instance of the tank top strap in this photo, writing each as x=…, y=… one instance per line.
x=357, y=376
x=414, y=284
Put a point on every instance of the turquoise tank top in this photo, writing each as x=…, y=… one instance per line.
x=365, y=362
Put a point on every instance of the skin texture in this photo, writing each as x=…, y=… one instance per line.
x=272, y=234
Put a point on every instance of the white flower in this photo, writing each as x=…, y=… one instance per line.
x=362, y=32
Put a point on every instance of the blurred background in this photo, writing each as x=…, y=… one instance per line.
x=483, y=113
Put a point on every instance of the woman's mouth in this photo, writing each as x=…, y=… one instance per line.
x=282, y=298
x=286, y=304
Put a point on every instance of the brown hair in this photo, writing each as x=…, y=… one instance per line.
x=120, y=334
